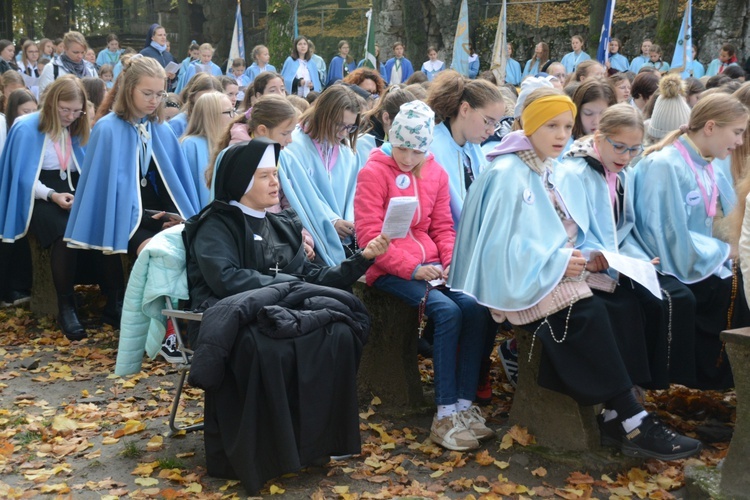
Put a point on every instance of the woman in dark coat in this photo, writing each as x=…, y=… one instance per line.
x=279, y=359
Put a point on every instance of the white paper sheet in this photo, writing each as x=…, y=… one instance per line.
x=172, y=67
x=399, y=215
x=640, y=271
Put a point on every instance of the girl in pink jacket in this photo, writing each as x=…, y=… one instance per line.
x=414, y=268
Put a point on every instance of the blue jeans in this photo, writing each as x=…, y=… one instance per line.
x=461, y=327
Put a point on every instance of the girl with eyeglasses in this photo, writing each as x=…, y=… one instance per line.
x=41, y=164
x=211, y=117
x=680, y=186
x=319, y=172
x=596, y=171
x=136, y=179
x=467, y=112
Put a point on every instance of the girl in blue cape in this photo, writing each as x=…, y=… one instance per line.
x=193, y=55
x=212, y=114
x=403, y=167
x=467, y=113
x=40, y=164
x=111, y=54
x=538, y=60
x=341, y=65
x=432, y=66
x=300, y=72
x=595, y=170
x=261, y=58
x=398, y=69
x=136, y=180
x=677, y=190
x=204, y=63
x=572, y=59
x=515, y=252
x=616, y=61
x=319, y=172
x=198, y=85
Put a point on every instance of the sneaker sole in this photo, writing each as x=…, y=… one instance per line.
x=639, y=452
x=173, y=359
x=486, y=436
x=435, y=439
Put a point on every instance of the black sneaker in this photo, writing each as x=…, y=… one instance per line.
x=610, y=432
x=15, y=298
x=653, y=439
x=508, y=352
x=169, y=350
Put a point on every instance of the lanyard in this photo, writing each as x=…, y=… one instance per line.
x=63, y=151
x=329, y=155
x=709, y=204
x=144, y=146
x=610, y=177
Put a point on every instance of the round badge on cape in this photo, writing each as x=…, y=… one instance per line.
x=693, y=198
x=528, y=196
x=403, y=181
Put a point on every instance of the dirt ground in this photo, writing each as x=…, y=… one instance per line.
x=70, y=428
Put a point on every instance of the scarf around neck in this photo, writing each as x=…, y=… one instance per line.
x=76, y=68
x=159, y=47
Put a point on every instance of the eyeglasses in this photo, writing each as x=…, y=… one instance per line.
x=71, y=112
x=622, y=148
x=350, y=129
x=490, y=122
x=232, y=113
x=153, y=96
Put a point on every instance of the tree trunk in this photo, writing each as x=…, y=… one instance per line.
x=119, y=13
x=667, y=25
x=56, y=21
x=597, y=9
x=6, y=19
x=183, y=11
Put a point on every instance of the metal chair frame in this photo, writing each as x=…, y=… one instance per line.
x=183, y=366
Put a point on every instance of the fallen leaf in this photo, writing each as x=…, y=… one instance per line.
x=502, y=465
x=484, y=458
x=539, y=472
x=63, y=424
x=341, y=490
x=275, y=490
x=146, y=481
x=375, y=401
x=156, y=443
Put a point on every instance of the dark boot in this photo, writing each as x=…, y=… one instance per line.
x=113, y=310
x=68, y=319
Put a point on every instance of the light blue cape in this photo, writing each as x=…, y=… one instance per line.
x=576, y=179
x=178, y=124
x=107, y=208
x=197, y=155
x=289, y=73
x=20, y=165
x=318, y=198
x=509, y=250
x=669, y=227
x=450, y=156
x=513, y=72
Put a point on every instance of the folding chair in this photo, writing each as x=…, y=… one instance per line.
x=182, y=366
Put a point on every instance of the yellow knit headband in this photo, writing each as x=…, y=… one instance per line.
x=544, y=109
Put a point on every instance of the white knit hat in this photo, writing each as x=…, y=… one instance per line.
x=413, y=126
x=671, y=109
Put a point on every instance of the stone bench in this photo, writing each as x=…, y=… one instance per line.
x=556, y=420
x=388, y=368
x=43, y=293
x=735, y=482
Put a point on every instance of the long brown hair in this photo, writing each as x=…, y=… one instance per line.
x=322, y=119
x=590, y=91
x=67, y=88
x=741, y=154
x=449, y=90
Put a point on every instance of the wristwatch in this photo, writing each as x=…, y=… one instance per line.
x=49, y=195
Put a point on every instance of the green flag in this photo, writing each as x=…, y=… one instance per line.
x=370, y=61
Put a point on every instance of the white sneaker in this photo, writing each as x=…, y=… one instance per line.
x=451, y=432
x=474, y=421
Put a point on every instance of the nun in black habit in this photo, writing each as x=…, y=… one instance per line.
x=276, y=353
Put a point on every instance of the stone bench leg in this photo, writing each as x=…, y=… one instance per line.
x=556, y=420
x=388, y=368
x=735, y=481
x=43, y=294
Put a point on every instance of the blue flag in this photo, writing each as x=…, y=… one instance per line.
x=296, y=24
x=682, y=59
x=461, y=41
x=602, y=55
x=237, y=49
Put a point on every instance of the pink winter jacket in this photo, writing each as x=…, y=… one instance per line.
x=431, y=237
